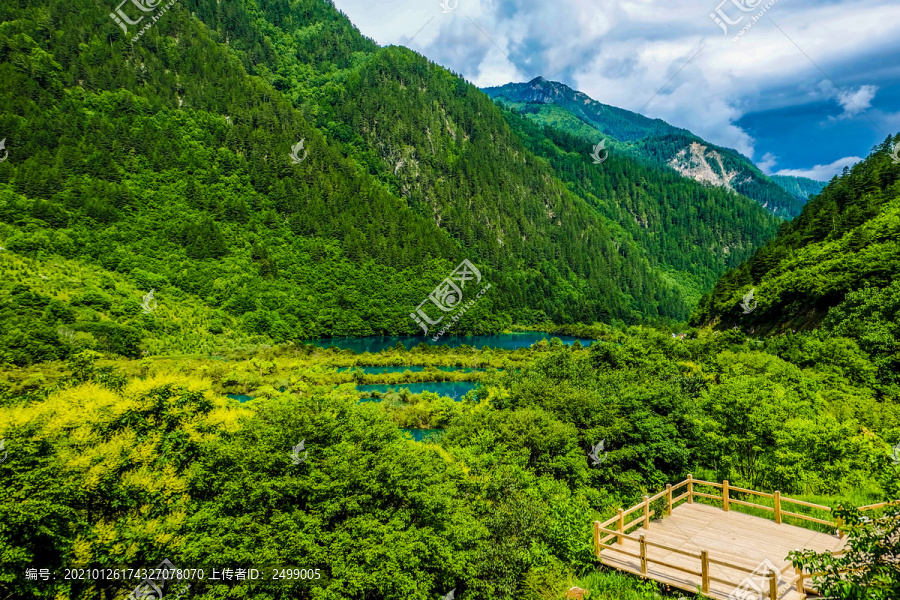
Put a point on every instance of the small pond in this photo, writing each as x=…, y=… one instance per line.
x=504, y=341
x=411, y=369
x=453, y=389
x=239, y=397
x=421, y=434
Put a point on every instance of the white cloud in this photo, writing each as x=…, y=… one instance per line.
x=852, y=101
x=822, y=172
x=861, y=99
x=767, y=163
x=627, y=52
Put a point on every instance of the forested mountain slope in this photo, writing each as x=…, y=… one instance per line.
x=442, y=146
x=800, y=187
x=409, y=113
x=695, y=232
x=554, y=103
x=168, y=162
x=834, y=266
x=164, y=163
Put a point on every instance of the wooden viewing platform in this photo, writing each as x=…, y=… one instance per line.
x=719, y=551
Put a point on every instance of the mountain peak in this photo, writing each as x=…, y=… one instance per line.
x=538, y=81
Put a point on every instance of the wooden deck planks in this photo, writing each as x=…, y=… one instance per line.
x=732, y=536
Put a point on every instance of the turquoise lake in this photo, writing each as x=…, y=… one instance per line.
x=453, y=389
x=412, y=369
x=420, y=434
x=504, y=341
x=239, y=397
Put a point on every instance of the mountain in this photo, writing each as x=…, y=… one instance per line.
x=553, y=103
x=692, y=231
x=799, y=187
x=835, y=267
x=165, y=162
x=166, y=165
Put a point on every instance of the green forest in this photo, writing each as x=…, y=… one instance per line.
x=175, y=284
x=832, y=269
x=633, y=135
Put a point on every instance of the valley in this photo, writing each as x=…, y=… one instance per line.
x=277, y=298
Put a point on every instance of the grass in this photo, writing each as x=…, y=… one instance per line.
x=613, y=585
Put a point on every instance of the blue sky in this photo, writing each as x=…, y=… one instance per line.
x=806, y=89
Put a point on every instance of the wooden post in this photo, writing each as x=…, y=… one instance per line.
x=575, y=593
x=778, y=507
x=619, y=538
x=669, y=498
x=726, y=495
x=840, y=523
x=643, y=556
x=646, y=512
x=704, y=570
x=800, y=587
x=773, y=586
x=690, y=487
x=597, y=538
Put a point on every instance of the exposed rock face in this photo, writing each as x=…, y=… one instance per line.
x=656, y=140
x=701, y=164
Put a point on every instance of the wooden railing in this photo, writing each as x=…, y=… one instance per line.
x=605, y=538
x=802, y=587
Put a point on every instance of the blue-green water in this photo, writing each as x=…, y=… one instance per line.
x=453, y=389
x=420, y=434
x=504, y=341
x=412, y=369
x=240, y=397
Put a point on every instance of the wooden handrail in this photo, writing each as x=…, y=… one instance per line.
x=802, y=588
x=702, y=495
x=633, y=508
x=678, y=498
x=610, y=539
x=879, y=505
x=702, y=482
x=806, y=517
x=703, y=556
x=754, y=492
x=640, y=519
x=807, y=504
x=752, y=505
x=778, y=513
x=675, y=550
x=659, y=495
